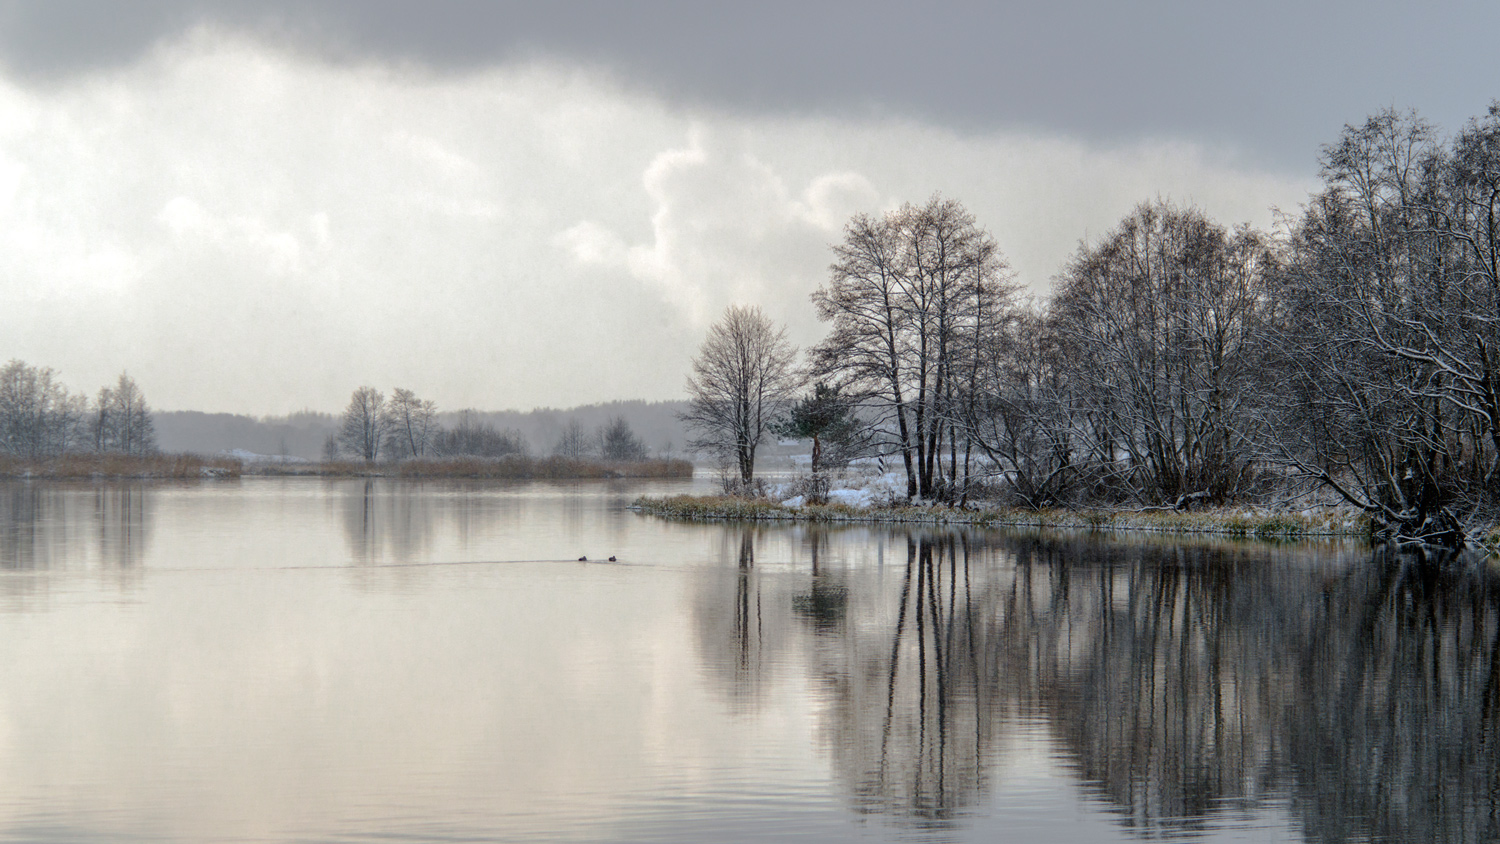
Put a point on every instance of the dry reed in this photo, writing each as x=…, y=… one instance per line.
x=504, y=468
x=92, y=466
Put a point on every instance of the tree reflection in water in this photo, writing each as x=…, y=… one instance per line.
x=933, y=730
x=385, y=522
x=45, y=526
x=1392, y=735
x=739, y=628
x=912, y=707
x=1163, y=672
x=1180, y=685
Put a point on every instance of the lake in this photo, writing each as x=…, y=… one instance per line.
x=277, y=660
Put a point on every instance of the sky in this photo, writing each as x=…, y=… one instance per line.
x=258, y=207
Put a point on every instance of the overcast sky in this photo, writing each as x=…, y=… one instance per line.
x=257, y=207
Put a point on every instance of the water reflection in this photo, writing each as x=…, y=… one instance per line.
x=920, y=751
x=944, y=684
x=1392, y=731
x=825, y=601
x=387, y=522
x=46, y=526
x=1165, y=677
x=1182, y=686
x=730, y=615
x=1192, y=686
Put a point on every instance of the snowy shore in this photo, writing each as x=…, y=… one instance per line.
x=1229, y=521
x=879, y=499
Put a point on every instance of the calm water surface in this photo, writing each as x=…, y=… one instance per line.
x=310, y=660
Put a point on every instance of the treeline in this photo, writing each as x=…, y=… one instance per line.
x=1355, y=353
x=305, y=433
x=41, y=418
x=405, y=426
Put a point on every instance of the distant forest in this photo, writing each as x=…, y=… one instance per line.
x=303, y=434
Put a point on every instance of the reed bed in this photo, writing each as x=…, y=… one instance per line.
x=543, y=468
x=101, y=466
x=1227, y=522
x=504, y=468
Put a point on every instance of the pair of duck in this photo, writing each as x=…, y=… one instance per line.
x=586, y=559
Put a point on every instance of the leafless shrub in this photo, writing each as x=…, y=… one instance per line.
x=812, y=487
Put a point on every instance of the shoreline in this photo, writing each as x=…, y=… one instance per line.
x=1233, y=522
x=86, y=467
x=101, y=467
x=501, y=469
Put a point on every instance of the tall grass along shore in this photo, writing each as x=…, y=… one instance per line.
x=91, y=466
x=183, y=466
x=511, y=467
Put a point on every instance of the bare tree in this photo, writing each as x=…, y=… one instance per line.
x=742, y=379
x=1166, y=320
x=1393, y=350
x=38, y=416
x=574, y=442
x=1025, y=415
x=413, y=424
x=365, y=425
x=909, y=296
x=471, y=438
x=121, y=420
x=101, y=420
x=618, y=442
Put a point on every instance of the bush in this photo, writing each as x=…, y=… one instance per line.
x=479, y=439
x=737, y=488
x=813, y=488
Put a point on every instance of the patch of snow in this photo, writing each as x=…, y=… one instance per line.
x=794, y=502
x=851, y=497
x=252, y=457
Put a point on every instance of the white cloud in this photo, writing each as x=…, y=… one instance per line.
x=249, y=230
x=831, y=199
x=726, y=228
x=185, y=217
x=593, y=244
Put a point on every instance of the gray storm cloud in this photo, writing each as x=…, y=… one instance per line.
x=1271, y=79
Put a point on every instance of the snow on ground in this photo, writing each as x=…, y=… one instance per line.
x=851, y=497
x=251, y=457
x=855, y=491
